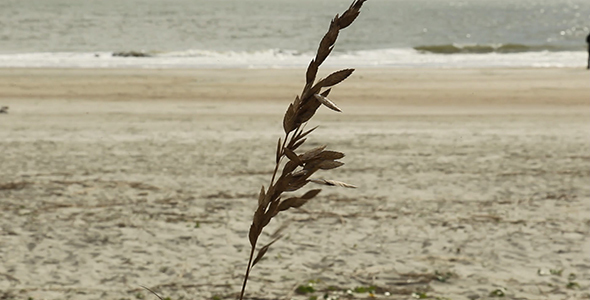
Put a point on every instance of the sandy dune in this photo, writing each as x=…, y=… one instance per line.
x=472, y=183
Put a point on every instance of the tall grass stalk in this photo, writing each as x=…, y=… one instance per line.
x=298, y=168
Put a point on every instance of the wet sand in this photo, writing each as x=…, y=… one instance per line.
x=470, y=183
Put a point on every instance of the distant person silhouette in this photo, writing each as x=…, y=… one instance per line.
x=588, y=41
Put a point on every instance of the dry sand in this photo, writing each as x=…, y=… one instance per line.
x=471, y=182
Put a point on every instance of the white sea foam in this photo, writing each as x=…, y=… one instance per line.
x=273, y=58
x=241, y=34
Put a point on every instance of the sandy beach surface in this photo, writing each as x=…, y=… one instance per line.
x=472, y=184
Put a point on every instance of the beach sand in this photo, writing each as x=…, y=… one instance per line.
x=471, y=183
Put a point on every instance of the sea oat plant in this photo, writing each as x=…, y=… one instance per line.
x=299, y=168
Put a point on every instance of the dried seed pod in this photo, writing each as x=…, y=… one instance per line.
x=263, y=251
x=281, y=184
x=293, y=157
x=311, y=154
x=278, y=155
x=261, y=197
x=325, y=101
x=327, y=42
x=331, y=155
x=311, y=194
x=289, y=119
x=302, y=135
x=350, y=14
x=253, y=233
x=332, y=79
x=289, y=167
x=332, y=183
x=293, y=202
x=270, y=213
x=312, y=71
x=300, y=182
x=306, y=111
x=300, y=173
x=297, y=144
x=330, y=164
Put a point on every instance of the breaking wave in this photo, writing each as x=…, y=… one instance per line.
x=427, y=57
x=490, y=48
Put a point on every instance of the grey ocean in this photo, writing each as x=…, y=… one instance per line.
x=281, y=33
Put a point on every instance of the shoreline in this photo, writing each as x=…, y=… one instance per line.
x=276, y=58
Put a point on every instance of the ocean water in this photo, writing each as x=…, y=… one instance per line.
x=285, y=33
